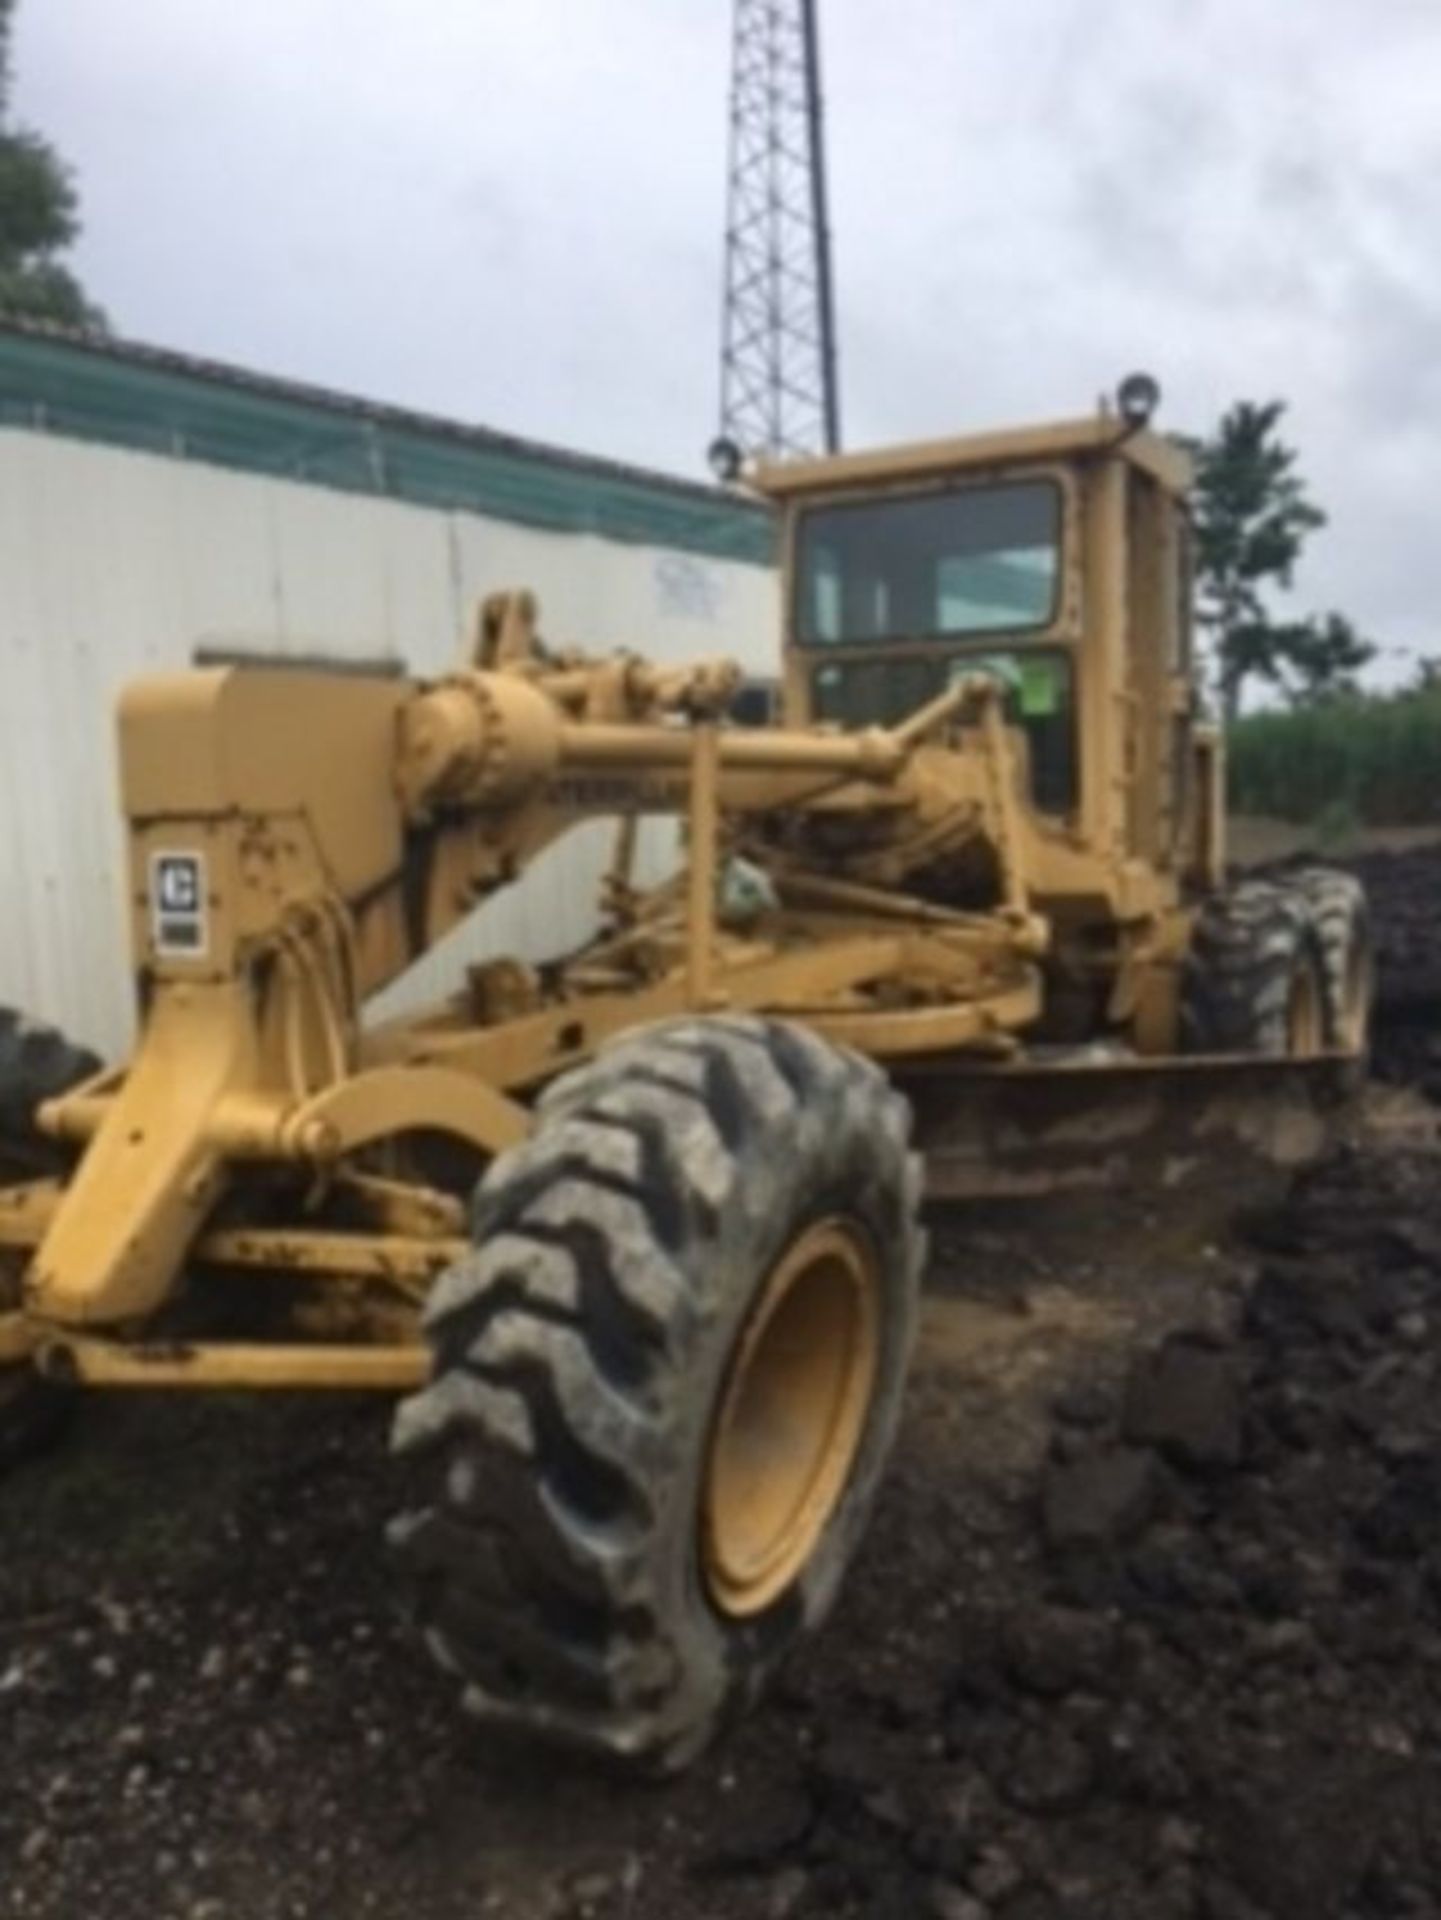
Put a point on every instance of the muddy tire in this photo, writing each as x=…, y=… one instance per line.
x=1337, y=903
x=665, y=1385
x=36, y=1063
x=1253, y=980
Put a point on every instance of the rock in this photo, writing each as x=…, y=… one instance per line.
x=784, y=1895
x=1187, y=1399
x=1290, y=1641
x=918, y=1692
x=1173, y=1896
x=1083, y=1404
x=1181, y=1839
x=888, y=1809
x=951, y=1815
x=764, y=1825
x=1280, y=1584
x=1386, y=1737
x=1296, y=1416
x=589, y=1892
x=1051, y=1651
x=945, y=1902
x=1397, y=1444
x=853, y=1763
x=256, y=1811
x=1049, y=1773
x=1405, y=1521
x=1097, y=1501
x=1302, y=1300
x=1413, y=1329
x=1417, y=1239
x=1036, y=1904
x=1072, y=1443
x=1299, y=1842
x=1181, y=1569
x=1146, y=1765
x=995, y=1876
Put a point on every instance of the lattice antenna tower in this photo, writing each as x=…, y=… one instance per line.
x=778, y=350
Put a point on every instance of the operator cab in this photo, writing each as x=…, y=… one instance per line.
x=900, y=593
x=1055, y=558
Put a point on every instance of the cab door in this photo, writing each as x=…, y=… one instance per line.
x=1160, y=695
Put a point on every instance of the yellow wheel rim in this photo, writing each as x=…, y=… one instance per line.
x=1356, y=1013
x=791, y=1416
x=1305, y=1015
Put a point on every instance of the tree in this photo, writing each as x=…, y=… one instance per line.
x=1252, y=517
x=39, y=218
x=1323, y=657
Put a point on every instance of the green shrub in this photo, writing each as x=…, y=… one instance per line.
x=1336, y=823
x=1364, y=759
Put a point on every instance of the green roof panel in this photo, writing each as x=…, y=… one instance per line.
x=124, y=395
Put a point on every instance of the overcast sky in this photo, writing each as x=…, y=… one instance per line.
x=512, y=214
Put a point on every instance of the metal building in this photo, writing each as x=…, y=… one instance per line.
x=150, y=504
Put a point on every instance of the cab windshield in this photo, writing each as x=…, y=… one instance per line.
x=971, y=560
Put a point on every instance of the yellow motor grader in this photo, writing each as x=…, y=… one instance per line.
x=636, y=1231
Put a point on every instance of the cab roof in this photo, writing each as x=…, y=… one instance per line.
x=1099, y=433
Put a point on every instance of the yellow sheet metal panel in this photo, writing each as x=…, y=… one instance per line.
x=1095, y=434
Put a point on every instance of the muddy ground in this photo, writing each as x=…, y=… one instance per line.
x=1148, y=1623
x=1404, y=889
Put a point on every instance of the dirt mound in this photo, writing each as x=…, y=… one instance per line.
x=1171, y=1651
x=1212, y=1686
x=1148, y=1626
x=1404, y=891
x=1151, y=1630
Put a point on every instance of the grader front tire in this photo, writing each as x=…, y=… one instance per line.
x=665, y=1385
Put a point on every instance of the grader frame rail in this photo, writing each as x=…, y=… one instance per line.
x=257, y=965
x=998, y=873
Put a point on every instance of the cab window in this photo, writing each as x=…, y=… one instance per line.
x=1038, y=690
x=968, y=561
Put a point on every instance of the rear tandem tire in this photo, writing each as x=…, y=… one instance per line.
x=1254, y=978
x=36, y=1063
x=1337, y=902
x=665, y=1385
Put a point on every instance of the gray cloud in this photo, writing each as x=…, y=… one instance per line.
x=513, y=214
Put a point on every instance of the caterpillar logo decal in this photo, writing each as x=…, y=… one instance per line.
x=178, y=905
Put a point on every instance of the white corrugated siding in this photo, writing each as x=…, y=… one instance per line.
x=114, y=563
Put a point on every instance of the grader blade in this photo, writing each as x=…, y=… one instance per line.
x=1088, y=1125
